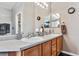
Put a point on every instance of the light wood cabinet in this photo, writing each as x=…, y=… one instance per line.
x=54, y=47
x=34, y=51
x=46, y=48
x=59, y=44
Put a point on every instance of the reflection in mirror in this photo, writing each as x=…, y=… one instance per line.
x=6, y=18
x=55, y=21
x=19, y=25
x=18, y=22
x=8, y=21
x=47, y=22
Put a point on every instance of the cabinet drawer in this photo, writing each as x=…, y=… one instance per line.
x=59, y=44
x=46, y=48
x=33, y=51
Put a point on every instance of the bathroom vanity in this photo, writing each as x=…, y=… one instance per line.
x=51, y=46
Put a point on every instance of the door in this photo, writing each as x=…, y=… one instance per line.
x=54, y=47
x=34, y=51
x=59, y=45
x=46, y=48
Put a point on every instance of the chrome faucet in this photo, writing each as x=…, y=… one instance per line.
x=29, y=35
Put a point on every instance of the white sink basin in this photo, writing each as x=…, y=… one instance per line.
x=32, y=39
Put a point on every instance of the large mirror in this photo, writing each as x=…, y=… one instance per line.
x=25, y=17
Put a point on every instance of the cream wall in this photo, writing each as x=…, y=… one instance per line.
x=28, y=18
x=71, y=40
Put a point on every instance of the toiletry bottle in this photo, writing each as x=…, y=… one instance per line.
x=42, y=30
x=49, y=31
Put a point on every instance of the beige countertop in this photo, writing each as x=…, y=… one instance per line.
x=18, y=45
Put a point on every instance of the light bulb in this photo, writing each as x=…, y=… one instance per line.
x=41, y=6
x=45, y=4
x=38, y=3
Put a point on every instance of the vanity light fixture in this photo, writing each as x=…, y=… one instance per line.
x=45, y=4
x=42, y=4
x=37, y=3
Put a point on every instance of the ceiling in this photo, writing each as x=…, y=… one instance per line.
x=7, y=5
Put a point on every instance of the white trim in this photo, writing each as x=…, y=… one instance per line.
x=69, y=53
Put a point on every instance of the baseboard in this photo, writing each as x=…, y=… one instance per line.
x=72, y=54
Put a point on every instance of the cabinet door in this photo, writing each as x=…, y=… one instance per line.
x=46, y=48
x=59, y=44
x=54, y=47
x=34, y=51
